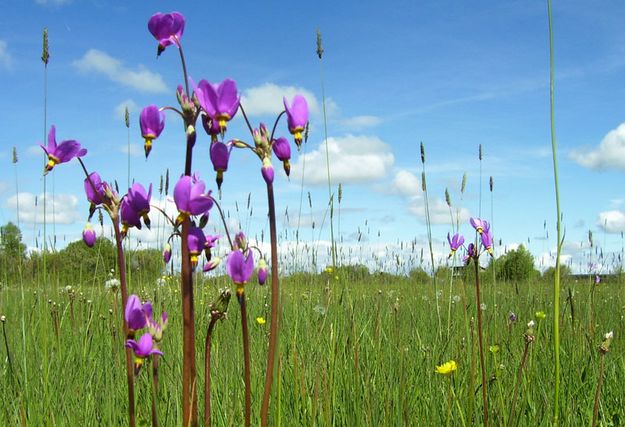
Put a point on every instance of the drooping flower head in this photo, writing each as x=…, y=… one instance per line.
x=210, y=243
x=211, y=127
x=211, y=264
x=60, y=153
x=267, y=171
x=297, y=117
x=240, y=267
x=190, y=197
x=487, y=241
x=95, y=189
x=156, y=327
x=262, y=271
x=282, y=150
x=480, y=225
x=139, y=201
x=220, y=154
x=167, y=253
x=196, y=242
x=152, y=122
x=137, y=314
x=143, y=349
x=128, y=216
x=471, y=253
x=88, y=235
x=220, y=101
x=167, y=28
x=454, y=243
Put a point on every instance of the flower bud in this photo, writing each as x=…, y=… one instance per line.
x=167, y=253
x=88, y=235
x=262, y=271
x=267, y=171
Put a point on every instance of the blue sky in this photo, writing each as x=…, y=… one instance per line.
x=449, y=74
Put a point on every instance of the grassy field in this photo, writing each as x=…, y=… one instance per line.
x=352, y=353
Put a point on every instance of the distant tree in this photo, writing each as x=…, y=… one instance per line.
x=81, y=263
x=565, y=273
x=12, y=250
x=516, y=266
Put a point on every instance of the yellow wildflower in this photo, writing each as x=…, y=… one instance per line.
x=447, y=368
x=261, y=320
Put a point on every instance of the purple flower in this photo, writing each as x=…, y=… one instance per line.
x=262, y=271
x=211, y=265
x=143, y=349
x=471, y=253
x=156, y=328
x=196, y=242
x=88, y=235
x=139, y=200
x=61, y=153
x=137, y=314
x=512, y=317
x=240, y=267
x=152, y=122
x=167, y=28
x=95, y=189
x=220, y=154
x=240, y=241
x=454, y=243
x=220, y=101
x=487, y=241
x=297, y=117
x=129, y=216
x=167, y=253
x=282, y=150
x=267, y=170
x=480, y=225
x=190, y=197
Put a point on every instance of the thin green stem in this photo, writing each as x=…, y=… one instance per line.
x=246, y=356
x=155, y=390
x=556, y=282
x=515, y=393
x=595, y=411
x=207, y=369
x=481, y=339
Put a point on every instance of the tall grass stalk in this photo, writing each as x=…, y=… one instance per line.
x=320, y=51
x=481, y=340
x=428, y=223
x=556, y=279
x=45, y=58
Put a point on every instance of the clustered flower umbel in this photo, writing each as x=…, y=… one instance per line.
x=139, y=316
x=486, y=239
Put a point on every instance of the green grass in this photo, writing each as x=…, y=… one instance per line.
x=352, y=353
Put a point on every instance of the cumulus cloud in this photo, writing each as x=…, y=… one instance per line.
x=408, y=185
x=610, y=154
x=612, y=221
x=353, y=159
x=62, y=209
x=6, y=60
x=360, y=122
x=266, y=99
x=96, y=61
x=120, y=109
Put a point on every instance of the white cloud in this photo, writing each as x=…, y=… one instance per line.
x=610, y=154
x=100, y=62
x=120, y=109
x=6, y=60
x=353, y=159
x=359, y=122
x=266, y=99
x=135, y=150
x=612, y=221
x=408, y=185
x=62, y=209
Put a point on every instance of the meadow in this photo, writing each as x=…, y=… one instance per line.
x=353, y=351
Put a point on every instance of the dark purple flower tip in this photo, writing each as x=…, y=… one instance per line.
x=167, y=28
x=262, y=271
x=471, y=253
x=94, y=188
x=267, y=171
x=129, y=217
x=455, y=242
x=211, y=240
x=190, y=197
x=220, y=101
x=512, y=317
x=297, y=116
x=240, y=266
x=211, y=127
x=152, y=122
x=144, y=347
x=480, y=225
x=282, y=148
x=167, y=253
x=196, y=242
x=135, y=313
x=60, y=153
x=220, y=154
x=88, y=235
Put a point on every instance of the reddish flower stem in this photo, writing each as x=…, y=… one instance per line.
x=207, y=370
x=481, y=340
x=246, y=356
x=275, y=308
